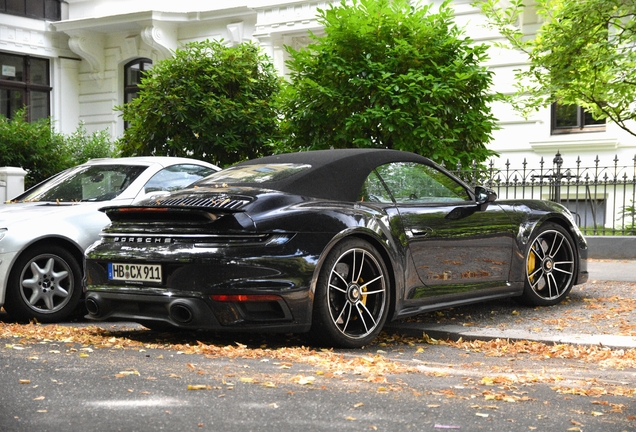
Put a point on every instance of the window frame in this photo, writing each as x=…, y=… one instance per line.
x=27, y=87
x=48, y=10
x=131, y=88
x=580, y=127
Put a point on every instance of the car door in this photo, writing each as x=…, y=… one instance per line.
x=457, y=246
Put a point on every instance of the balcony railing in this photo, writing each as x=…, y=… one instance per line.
x=601, y=198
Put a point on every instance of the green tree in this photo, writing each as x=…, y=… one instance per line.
x=582, y=54
x=209, y=101
x=387, y=74
x=34, y=147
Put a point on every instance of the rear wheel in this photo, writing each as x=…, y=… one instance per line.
x=550, y=266
x=44, y=284
x=352, y=296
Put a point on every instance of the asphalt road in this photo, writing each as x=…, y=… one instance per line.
x=54, y=382
x=58, y=386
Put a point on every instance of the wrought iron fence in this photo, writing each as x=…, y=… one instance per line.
x=601, y=198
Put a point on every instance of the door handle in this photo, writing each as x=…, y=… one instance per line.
x=420, y=232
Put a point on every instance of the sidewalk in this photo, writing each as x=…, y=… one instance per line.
x=597, y=313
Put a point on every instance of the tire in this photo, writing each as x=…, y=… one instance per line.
x=45, y=284
x=352, y=296
x=550, y=266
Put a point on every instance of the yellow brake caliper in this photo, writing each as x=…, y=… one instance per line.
x=531, y=264
x=363, y=288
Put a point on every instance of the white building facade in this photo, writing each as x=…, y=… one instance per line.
x=76, y=60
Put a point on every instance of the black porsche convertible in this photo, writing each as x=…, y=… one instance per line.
x=330, y=242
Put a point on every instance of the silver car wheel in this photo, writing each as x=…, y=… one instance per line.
x=357, y=293
x=45, y=285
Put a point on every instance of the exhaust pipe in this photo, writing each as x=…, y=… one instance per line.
x=181, y=313
x=92, y=306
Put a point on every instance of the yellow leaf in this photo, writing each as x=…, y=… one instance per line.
x=597, y=414
x=39, y=398
x=247, y=380
x=199, y=387
x=358, y=405
x=83, y=355
x=305, y=380
x=351, y=418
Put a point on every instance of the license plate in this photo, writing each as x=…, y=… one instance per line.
x=135, y=272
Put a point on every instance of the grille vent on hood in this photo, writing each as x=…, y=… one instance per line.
x=222, y=202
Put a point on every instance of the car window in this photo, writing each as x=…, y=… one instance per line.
x=411, y=182
x=86, y=183
x=176, y=177
x=257, y=173
x=374, y=191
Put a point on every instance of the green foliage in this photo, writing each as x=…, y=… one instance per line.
x=209, y=101
x=582, y=54
x=83, y=146
x=34, y=147
x=42, y=152
x=389, y=75
x=628, y=216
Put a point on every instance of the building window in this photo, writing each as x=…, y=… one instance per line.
x=134, y=71
x=24, y=82
x=573, y=118
x=38, y=9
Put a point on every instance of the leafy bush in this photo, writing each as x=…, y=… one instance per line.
x=42, y=152
x=83, y=146
x=209, y=101
x=390, y=75
x=34, y=147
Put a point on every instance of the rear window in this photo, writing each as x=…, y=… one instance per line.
x=260, y=173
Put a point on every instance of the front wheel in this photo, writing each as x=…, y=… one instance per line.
x=44, y=284
x=550, y=266
x=352, y=296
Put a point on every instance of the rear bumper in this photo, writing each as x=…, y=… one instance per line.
x=274, y=315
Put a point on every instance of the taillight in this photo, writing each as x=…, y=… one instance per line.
x=240, y=298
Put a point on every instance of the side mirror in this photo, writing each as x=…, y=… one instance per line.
x=484, y=196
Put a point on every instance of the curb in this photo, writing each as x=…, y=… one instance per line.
x=455, y=332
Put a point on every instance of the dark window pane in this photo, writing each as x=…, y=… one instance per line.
x=16, y=7
x=35, y=9
x=131, y=96
x=39, y=105
x=10, y=102
x=52, y=10
x=39, y=71
x=589, y=120
x=133, y=74
x=566, y=115
x=12, y=67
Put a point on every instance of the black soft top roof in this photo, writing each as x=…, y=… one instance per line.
x=334, y=174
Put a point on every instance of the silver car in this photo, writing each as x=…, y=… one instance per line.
x=45, y=231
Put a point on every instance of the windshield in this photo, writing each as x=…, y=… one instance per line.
x=85, y=183
x=259, y=173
